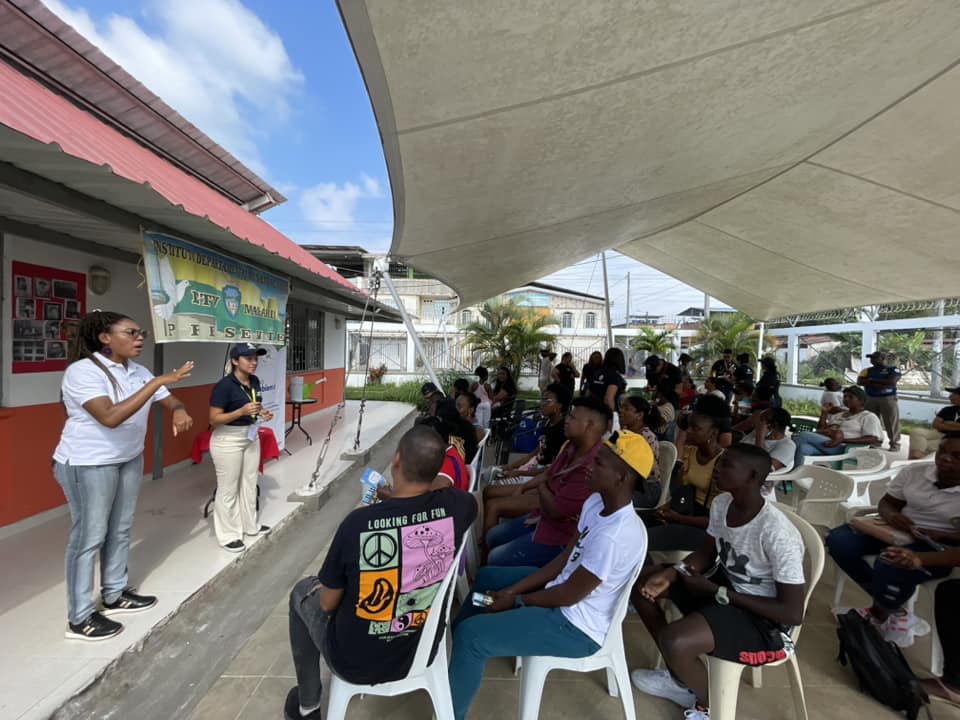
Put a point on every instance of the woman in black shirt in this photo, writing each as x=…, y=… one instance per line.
x=770, y=378
x=589, y=370
x=236, y=408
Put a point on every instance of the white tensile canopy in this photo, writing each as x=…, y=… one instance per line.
x=783, y=157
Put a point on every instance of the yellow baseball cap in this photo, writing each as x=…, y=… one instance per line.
x=633, y=450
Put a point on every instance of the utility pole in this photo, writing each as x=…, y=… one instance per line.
x=706, y=306
x=936, y=371
x=627, y=321
x=606, y=297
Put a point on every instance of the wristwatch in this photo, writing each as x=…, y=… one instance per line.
x=518, y=601
x=721, y=597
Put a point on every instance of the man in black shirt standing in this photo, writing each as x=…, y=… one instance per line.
x=379, y=580
x=724, y=367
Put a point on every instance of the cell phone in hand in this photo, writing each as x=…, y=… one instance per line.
x=481, y=599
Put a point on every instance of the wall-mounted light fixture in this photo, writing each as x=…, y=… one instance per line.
x=99, y=279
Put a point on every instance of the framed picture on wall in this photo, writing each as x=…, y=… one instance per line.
x=52, y=311
x=26, y=309
x=48, y=304
x=22, y=286
x=65, y=289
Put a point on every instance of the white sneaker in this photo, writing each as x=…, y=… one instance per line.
x=696, y=714
x=660, y=683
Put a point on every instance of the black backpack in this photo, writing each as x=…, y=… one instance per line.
x=879, y=666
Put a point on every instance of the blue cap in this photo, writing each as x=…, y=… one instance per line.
x=246, y=349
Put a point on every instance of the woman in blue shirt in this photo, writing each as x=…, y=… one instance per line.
x=236, y=409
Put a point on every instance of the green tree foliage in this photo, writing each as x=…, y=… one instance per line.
x=653, y=342
x=509, y=335
x=726, y=330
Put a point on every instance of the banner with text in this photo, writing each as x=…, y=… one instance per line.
x=202, y=295
x=272, y=372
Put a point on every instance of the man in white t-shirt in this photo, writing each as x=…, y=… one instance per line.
x=923, y=500
x=740, y=593
x=565, y=608
x=853, y=426
x=546, y=368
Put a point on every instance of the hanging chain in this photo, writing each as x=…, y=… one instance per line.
x=366, y=370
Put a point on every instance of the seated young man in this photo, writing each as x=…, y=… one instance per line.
x=564, y=609
x=364, y=611
x=854, y=426
x=743, y=610
x=535, y=538
x=922, y=500
x=553, y=407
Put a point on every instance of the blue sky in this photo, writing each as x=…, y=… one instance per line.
x=276, y=84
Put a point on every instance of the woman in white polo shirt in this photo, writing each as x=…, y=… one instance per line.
x=99, y=463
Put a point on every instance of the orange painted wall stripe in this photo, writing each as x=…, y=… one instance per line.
x=29, y=434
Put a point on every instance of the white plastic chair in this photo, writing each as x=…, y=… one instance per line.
x=824, y=491
x=867, y=460
x=725, y=675
x=610, y=656
x=803, y=478
x=668, y=458
x=423, y=674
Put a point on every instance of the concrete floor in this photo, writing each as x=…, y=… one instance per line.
x=173, y=554
x=256, y=682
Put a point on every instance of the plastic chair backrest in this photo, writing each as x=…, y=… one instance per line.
x=620, y=610
x=668, y=458
x=829, y=484
x=869, y=459
x=421, y=660
x=815, y=555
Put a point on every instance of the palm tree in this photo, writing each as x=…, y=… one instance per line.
x=509, y=335
x=909, y=350
x=654, y=343
x=719, y=332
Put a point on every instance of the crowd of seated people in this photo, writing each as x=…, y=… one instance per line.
x=561, y=543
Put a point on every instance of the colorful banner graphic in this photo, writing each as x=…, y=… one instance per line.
x=48, y=305
x=201, y=295
x=272, y=372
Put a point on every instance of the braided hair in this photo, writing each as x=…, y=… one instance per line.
x=88, y=342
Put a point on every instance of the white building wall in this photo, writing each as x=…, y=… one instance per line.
x=124, y=296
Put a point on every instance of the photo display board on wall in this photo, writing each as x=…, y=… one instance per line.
x=48, y=304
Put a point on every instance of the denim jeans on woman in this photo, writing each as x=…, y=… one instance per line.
x=511, y=544
x=813, y=443
x=102, y=500
x=890, y=586
x=478, y=635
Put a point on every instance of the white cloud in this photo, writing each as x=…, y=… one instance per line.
x=331, y=207
x=214, y=61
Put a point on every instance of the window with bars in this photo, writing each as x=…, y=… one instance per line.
x=590, y=321
x=567, y=320
x=304, y=337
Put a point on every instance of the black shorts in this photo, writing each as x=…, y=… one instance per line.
x=738, y=636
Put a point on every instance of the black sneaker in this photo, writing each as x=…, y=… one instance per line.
x=93, y=629
x=235, y=546
x=291, y=707
x=263, y=530
x=129, y=602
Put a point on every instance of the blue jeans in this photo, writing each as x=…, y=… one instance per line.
x=478, y=635
x=308, y=628
x=102, y=500
x=511, y=544
x=889, y=586
x=813, y=443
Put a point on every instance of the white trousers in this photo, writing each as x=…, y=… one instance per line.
x=237, y=461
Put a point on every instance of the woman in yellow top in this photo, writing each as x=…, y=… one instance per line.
x=686, y=516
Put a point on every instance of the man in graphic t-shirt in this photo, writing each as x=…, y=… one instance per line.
x=379, y=580
x=738, y=612
x=564, y=609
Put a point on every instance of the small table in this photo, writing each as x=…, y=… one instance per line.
x=298, y=415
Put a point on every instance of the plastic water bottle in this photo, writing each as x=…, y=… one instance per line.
x=370, y=481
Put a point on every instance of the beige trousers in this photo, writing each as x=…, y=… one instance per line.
x=889, y=412
x=237, y=462
x=923, y=441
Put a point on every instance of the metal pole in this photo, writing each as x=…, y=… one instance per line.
x=763, y=327
x=936, y=371
x=606, y=296
x=706, y=306
x=626, y=322
x=383, y=266
x=157, y=410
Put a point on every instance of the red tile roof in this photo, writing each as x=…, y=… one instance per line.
x=32, y=109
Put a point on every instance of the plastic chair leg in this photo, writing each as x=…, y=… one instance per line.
x=531, y=688
x=621, y=674
x=438, y=686
x=338, y=700
x=724, y=688
x=841, y=582
x=517, y=665
x=612, y=688
x=756, y=677
x=796, y=687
